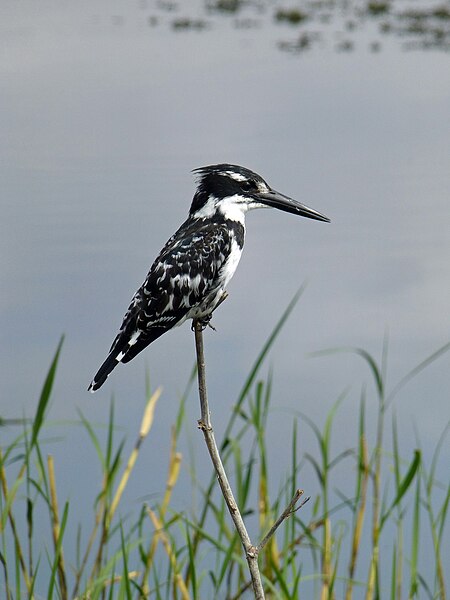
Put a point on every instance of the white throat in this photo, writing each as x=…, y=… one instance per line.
x=232, y=208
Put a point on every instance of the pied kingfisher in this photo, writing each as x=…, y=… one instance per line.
x=190, y=274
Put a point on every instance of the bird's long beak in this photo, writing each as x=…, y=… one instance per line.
x=277, y=200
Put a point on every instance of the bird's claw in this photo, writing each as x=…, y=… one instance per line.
x=203, y=322
x=206, y=320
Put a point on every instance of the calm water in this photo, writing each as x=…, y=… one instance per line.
x=105, y=109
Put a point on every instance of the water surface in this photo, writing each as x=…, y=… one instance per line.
x=105, y=109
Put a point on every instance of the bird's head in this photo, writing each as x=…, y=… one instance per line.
x=233, y=190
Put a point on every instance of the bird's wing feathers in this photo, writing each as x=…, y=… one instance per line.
x=183, y=275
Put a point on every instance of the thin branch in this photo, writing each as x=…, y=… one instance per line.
x=289, y=510
x=251, y=551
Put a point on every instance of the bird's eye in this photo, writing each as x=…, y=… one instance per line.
x=249, y=185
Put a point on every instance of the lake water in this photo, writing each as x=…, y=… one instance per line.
x=105, y=109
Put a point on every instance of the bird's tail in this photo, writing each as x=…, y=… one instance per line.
x=109, y=364
x=124, y=348
x=121, y=345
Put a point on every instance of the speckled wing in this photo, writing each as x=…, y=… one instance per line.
x=182, y=282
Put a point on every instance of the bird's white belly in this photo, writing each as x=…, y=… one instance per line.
x=230, y=265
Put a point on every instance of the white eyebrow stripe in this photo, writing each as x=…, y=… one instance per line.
x=236, y=176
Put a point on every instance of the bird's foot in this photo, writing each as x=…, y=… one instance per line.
x=203, y=322
x=206, y=320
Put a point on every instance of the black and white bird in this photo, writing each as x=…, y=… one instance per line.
x=189, y=276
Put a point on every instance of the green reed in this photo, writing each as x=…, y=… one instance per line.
x=334, y=547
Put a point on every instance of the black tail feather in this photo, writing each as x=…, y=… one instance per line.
x=143, y=342
x=122, y=348
x=100, y=377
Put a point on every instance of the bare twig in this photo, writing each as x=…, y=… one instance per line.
x=251, y=551
x=290, y=509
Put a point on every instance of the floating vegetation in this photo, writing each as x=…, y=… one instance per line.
x=426, y=28
x=226, y=6
x=378, y=8
x=187, y=23
x=419, y=24
x=345, y=46
x=304, y=42
x=290, y=15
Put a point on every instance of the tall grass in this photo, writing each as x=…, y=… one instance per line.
x=344, y=544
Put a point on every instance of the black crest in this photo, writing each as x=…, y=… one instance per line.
x=222, y=180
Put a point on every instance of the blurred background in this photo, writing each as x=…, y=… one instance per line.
x=106, y=107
